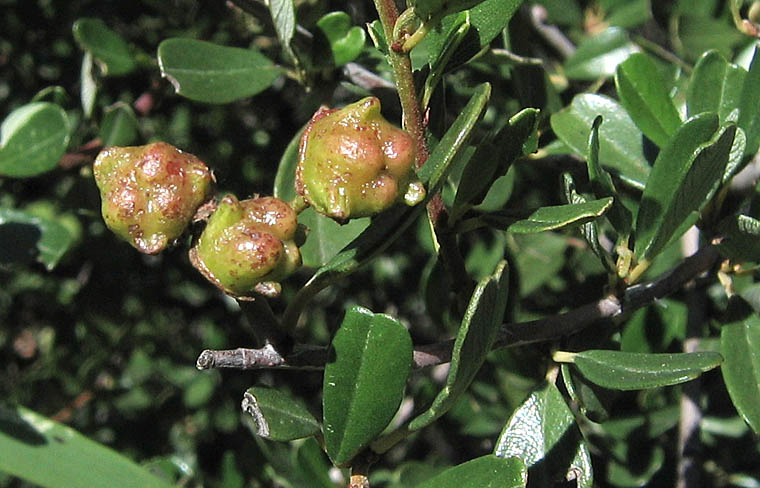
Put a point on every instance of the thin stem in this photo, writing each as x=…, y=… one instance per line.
x=511, y=335
x=401, y=65
x=265, y=326
x=550, y=33
x=662, y=52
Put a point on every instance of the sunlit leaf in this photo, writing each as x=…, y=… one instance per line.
x=370, y=358
x=51, y=455
x=277, y=415
x=636, y=371
x=208, y=72
x=34, y=137
x=109, y=49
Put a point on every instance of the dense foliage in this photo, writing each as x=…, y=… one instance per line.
x=567, y=297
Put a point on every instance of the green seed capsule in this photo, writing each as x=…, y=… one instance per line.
x=150, y=193
x=354, y=163
x=248, y=245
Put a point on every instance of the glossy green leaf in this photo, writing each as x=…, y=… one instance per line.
x=441, y=64
x=346, y=41
x=34, y=137
x=326, y=238
x=487, y=471
x=106, y=46
x=736, y=156
x=492, y=159
x=561, y=216
x=542, y=432
x=643, y=93
x=598, y=56
x=749, y=116
x=740, y=346
x=434, y=170
x=119, y=126
x=742, y=238
x=284, y=19
x=208, y=72
x=602, y=185
x=27, y=238
x=621, y=370
x=589, y=397
x=370, y=359
x=487, y=20
x=621, y=148
x=686, y=173
x=475, y=337
x=277, y=415
x=715, y=86
x=52, y=455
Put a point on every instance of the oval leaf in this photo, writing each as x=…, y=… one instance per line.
x=686, y=173
x=211, y=73
x=484, y=472
x=621, y=370
x=643, y=93
x=27, y=238
x=492, y=160
x=277, y=415
x=602, y=185
x=371, y=355
x=742, y=238
x=487, y=20
x=326, y=237
x=284, y=19
x=562, y=216
x=105, y=45
x=542, y=432
x=433, y=171
x=620, y=142
x=33, y=140
x=740, y=346
x=598, y=56
x=715, y=86
x=475, y=337
x=49, y=454
x=346, y=41
x=119, y=126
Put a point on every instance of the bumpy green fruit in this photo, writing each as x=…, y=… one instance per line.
x=248, y=245
x=354, y=163
x=150, y=193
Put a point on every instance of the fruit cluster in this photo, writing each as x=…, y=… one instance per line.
x=352, y=163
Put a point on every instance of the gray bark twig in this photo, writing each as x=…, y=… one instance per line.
x=510, y=335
